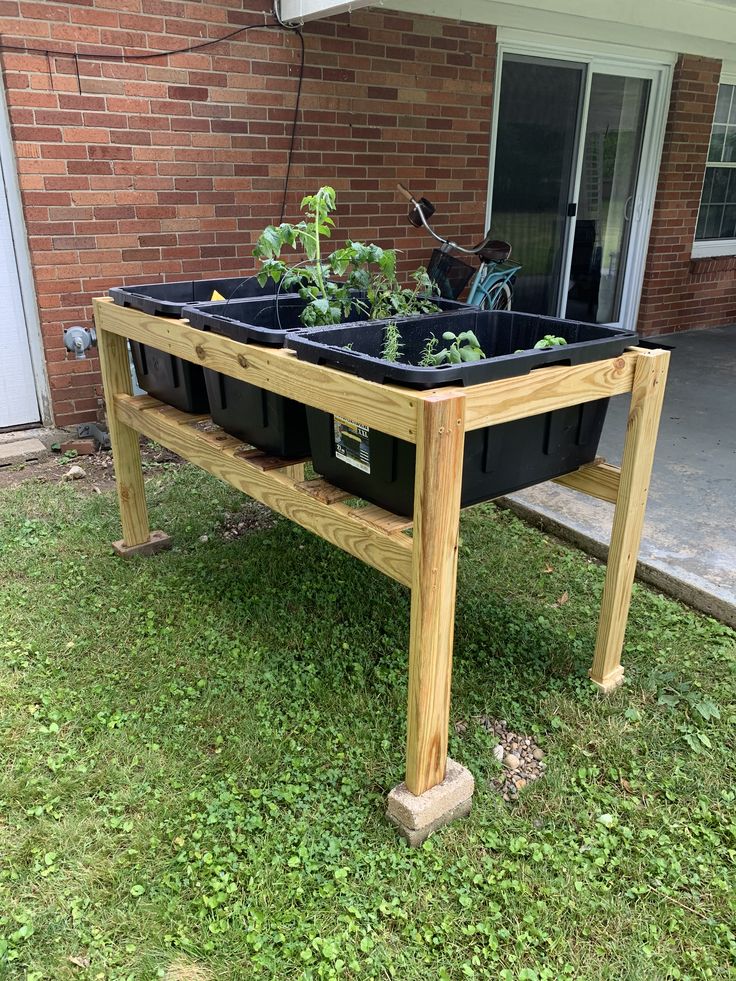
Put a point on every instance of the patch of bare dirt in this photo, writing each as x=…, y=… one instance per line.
x=254, y=516
x=99, y=470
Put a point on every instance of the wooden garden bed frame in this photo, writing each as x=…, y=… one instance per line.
x=436, y=421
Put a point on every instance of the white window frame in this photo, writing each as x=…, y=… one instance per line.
x=712, y=247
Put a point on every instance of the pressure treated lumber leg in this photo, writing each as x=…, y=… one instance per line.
x=137, y=538
x=628, y=520
x=434, y=792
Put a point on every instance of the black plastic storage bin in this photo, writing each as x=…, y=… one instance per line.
x=173, y=380
x=498, y=459
x=271, y=422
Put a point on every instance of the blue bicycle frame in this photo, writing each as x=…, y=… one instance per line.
x=487, y=285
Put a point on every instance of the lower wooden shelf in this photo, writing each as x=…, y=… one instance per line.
x=369, y=533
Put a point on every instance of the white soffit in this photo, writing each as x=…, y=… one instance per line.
x=699, y=27
x=301, y=11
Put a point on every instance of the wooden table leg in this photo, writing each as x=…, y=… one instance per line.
x=440, y=441
x=628, y=520
x=137, y=537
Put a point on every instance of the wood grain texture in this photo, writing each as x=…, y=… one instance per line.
x=598, y=479
x=336, y=523
x=384, y=407
x=391, y=523
x=546, y=389
x=324, y=491
x=628, y=520
x=440, y=442
x=126, y=451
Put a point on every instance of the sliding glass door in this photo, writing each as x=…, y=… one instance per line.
x=606, y=199
x=571, y=139
x=535, y=159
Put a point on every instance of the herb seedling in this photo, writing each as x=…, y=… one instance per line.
x=549, y=340
x=392, y=344
x=463, y=347
x=428, y=352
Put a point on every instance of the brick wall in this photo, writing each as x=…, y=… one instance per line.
x=680, y=292
x=170, y=168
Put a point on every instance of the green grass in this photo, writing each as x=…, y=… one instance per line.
x=195, y=751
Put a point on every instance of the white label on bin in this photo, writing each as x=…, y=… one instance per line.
x=351, y=443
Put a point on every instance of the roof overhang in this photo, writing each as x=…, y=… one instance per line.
x=301, y=11
x=699, y=27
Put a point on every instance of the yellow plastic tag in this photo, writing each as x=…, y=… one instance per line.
x=217, y=296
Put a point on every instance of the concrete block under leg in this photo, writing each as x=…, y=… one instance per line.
x=417, y=817
x=611, y=682
x=158, y=541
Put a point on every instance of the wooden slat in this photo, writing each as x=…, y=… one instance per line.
x=391, y=523
x=628, y=518
x=391, y=554
x=439, y=464
x=547, y=389
x=257, y=458
x=324, y=491
x=387, y=408
x=598, y=479
x=115, y=368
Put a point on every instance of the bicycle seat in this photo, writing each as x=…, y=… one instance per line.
x=494, y=250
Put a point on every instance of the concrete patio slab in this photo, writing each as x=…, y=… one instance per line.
x=689, y=543
x=22, y=450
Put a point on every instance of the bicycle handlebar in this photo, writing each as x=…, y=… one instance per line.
x=447, y=242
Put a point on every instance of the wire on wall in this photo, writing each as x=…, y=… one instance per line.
x=124, y=56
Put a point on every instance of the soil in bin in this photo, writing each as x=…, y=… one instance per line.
x=173, y=380
x=498, y=459
x=271, y=422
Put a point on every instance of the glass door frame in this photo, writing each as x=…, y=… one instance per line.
x=597, y=58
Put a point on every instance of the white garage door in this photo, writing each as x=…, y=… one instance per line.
x=18, y=401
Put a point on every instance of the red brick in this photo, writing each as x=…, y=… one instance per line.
x=170, y=168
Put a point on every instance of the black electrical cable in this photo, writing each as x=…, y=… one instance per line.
x=153, y=55
x=148, y=55
x=294, y=123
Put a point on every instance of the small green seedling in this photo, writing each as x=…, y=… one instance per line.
x=549, y=340
x=392, y=343
x=463, y=347
x=428, y=352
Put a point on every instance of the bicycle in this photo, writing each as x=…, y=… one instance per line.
x=493, y=281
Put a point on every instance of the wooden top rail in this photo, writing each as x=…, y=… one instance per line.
x=388, y=408
x=384, y=407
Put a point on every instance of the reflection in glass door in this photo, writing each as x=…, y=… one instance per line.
x=538, y=111
x=570, y=140
x=606, y=200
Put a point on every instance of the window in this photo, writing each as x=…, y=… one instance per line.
x=716, y=230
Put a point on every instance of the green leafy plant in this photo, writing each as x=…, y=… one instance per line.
x=366, y=268
x=549, y=340
x=687, y=698
x=428, y=352
x=462, y=348
x=388, y=299
x=392, y=344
